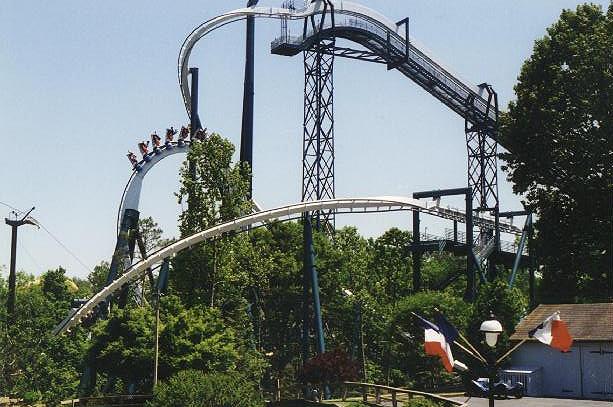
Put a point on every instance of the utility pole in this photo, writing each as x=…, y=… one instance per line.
x=14, y=224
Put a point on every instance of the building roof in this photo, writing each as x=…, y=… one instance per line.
x=586, y=322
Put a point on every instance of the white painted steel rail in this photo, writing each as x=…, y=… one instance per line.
x=356, y=205
x=450, y=88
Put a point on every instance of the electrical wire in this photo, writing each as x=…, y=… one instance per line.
x=25, y=249
x=63, y=246
x=39, y=224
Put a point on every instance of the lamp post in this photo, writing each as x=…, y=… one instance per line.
x=491, y=329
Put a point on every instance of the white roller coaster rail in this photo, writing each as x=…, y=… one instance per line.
x=353, y=205
x=449, y=88
x=131, y=194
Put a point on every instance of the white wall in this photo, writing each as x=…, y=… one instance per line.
x=584, y=372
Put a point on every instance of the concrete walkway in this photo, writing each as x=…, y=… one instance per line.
x=536, y=402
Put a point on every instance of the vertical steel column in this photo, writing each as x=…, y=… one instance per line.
x=471, y=286
x=318, y=141
x=306, y=315
x=194, y=117
x=309, y=265
x=416, y=253
x=482, y=149
x=531, y=267
x=195, y=123
x=246, y=148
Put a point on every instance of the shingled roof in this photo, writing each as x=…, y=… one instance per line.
x=586, y=322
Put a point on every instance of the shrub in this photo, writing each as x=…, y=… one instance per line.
x=31, y=397
x=329, y=368
x=192, y=388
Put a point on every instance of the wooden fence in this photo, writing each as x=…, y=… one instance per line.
x=379, y=393
x=130, y=400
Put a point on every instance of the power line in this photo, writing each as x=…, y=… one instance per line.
x=38, y=223
x=64, y=247
x=25, y=249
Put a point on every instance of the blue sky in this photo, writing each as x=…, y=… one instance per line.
x=83, y=81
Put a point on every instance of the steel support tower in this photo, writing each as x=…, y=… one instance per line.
x=318, y=141
x=482, y=147
x=318, y=124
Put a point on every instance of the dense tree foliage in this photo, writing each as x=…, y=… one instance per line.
x=192, y=388
x=232, y=314
x=559, y=133
x=215, y=190
x=34, y=364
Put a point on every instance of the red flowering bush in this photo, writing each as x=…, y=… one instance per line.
x=329, y=368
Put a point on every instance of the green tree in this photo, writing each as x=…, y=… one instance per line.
x=199, y=338
x=97, y=278
x=559, y=134
x=122, y=347
x=425, y=372
x=34, y=364
x=215, y=191
x=507, y=304
x=55, y=285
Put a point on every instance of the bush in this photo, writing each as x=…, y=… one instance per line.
x=31, y=397
x=329, y=368
x=421, y=402
x=192, y=388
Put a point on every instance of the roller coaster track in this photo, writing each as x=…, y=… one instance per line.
x=131, y=194
x=374, y=32
x=352, y=205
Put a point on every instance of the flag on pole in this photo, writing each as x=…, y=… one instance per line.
x=553, y=332
x=435, y=343
x=451, y=332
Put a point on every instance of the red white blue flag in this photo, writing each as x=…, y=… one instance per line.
x=553, y=332
x=435, y=343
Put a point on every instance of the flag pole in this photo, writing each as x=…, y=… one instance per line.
x=469, y=352
x=472, y=353
x=470, y=345
x=513, y=349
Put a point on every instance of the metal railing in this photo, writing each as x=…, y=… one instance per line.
x=398, y=46
x=505, y=246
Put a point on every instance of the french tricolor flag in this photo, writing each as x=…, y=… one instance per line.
x=436, y=344
x=553, y=332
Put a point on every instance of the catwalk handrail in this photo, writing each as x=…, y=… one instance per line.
x=394, y=391
x=455, y=92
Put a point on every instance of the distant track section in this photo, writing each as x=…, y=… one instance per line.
x=350, y=205
x=373, y=31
